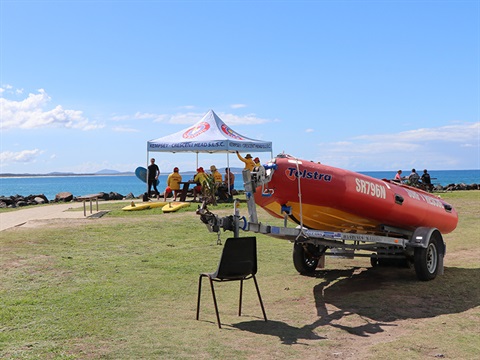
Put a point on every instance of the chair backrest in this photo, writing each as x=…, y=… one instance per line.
x=239, y=258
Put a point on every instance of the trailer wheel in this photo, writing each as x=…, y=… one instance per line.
x=303, y=260
x=426, y=260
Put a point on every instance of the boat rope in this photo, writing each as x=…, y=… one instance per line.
x=301, y=233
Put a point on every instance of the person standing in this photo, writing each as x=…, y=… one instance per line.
x=173, y=184
x=153, y=174
x=249, y=164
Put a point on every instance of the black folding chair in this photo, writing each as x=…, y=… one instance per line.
x=238, y=263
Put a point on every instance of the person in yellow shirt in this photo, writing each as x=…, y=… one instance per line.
x=249, y=164
x=217, y=177
x=173, y=184
x=198, y=179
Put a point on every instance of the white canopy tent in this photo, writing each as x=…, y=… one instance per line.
x=209, y=135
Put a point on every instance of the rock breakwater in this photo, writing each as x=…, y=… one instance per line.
x=15, y=201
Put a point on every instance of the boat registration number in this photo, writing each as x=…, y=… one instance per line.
x=370, y=188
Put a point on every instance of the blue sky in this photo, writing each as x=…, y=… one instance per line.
x=362, y=85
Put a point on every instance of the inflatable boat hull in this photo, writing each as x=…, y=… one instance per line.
x=322, y=197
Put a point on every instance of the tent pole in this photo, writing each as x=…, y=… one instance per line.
x=228, y=180
x=197, y=161
x=146, y=182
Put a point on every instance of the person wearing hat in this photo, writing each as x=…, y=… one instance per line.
x=198, y=179
x=249, y=164
x=217, y=177
x=257, y=161
x=173, y=184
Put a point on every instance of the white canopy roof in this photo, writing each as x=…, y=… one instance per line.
x=209, y=135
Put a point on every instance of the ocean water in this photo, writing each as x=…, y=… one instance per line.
x=83, y=185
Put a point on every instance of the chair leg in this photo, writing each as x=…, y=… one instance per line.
x=260, y=298
x=240, y=302
x=215, y=302
x=199, y=293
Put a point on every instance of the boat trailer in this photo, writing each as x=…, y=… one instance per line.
x=424, y=247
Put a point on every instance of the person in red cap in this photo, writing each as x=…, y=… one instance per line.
x=173, y=184
x=257, y=161
x=198, y=179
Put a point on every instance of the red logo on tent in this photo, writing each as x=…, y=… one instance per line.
x=196, y=130
x=231, y=133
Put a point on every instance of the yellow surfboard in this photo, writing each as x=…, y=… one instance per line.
x=174, y=206
x=156, y=204
x=134, y=206
x=142, y=206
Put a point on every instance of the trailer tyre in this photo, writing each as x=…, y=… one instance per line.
x=426, y=260
x=303, y=260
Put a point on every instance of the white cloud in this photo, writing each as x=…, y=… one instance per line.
x=124, y=129
x=185, y=118
x=23, y=156
x=238, y=106
x=249, y=119
x=31, y=113
x=436, y=148
x=450, y=133
x=140, y=116
x=309, y=130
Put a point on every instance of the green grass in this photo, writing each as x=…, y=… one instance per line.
x=124, y=287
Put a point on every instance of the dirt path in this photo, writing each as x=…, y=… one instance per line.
x=57, y=211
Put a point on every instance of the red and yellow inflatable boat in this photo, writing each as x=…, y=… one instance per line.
x=323, y=197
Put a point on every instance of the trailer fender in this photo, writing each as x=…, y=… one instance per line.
x=421, y=237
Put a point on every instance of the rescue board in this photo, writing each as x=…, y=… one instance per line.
x=143, y=206
x=174, y=206
x=141, y=173
x=134, y=207
x=156, y=204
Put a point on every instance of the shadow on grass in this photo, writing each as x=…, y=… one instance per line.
x=288, y=334
x=379, y=296
x=388, y=294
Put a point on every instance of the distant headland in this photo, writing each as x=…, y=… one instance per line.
x=101, y=172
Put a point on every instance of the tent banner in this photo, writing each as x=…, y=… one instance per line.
x=216, y=145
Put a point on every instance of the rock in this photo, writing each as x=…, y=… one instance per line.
x=115, y=196
x=64, y=196
x=104, y=196
x=39, y=200
x=130, y=196
x=7, y=200
x=42, y=196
